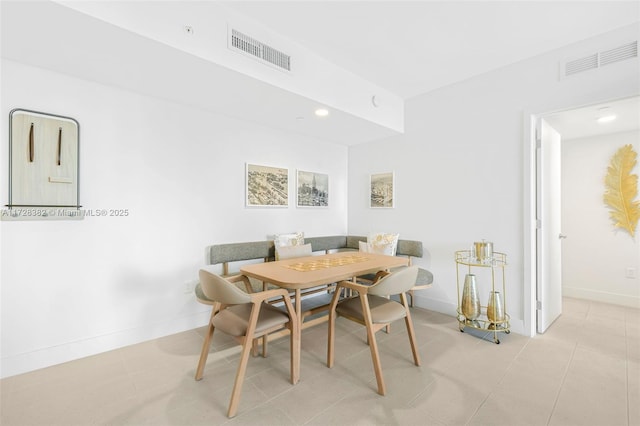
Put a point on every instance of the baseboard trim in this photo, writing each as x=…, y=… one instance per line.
x=46, y=357
x=602, y=296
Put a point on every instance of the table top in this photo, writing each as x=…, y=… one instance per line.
x=309, y=271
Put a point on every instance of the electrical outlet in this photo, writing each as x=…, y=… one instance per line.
x=631, y=273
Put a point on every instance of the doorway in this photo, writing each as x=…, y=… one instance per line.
x=567, y=266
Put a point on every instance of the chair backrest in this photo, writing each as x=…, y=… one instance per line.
x=235, y=252
x=397, y=282
x=217, y=288
x=409, y=248
x=327, y=243
x=291, y=252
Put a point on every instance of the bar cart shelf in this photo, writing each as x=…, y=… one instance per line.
x=466, y=262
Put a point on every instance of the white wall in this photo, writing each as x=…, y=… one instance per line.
x=462, y=166
x=595, y=256
x=74, y=288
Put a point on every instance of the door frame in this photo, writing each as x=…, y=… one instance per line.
x=530, y=247
x=549, y=211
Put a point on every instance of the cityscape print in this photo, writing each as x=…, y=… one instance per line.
x=382, y=190
x=313, y=189
x=267, y=186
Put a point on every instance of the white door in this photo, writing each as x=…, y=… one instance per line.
x=548, y=235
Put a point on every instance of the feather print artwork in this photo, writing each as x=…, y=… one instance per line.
x=621, y=187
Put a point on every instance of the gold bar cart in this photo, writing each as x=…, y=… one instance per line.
x=497, y=263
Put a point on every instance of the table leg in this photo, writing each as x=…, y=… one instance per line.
x=297, y=340
x=297, y=302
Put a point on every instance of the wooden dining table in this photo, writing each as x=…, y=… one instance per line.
x=310, y=271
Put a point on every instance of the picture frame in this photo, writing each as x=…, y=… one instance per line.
x=266, y=186
x=312, y=189
x=381, y=190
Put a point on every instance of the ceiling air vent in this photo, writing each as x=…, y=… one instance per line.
x=600, y=59
x=255, y=48
x=583, y=64
x=621, y=53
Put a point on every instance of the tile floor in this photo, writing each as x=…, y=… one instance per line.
x=584, y=371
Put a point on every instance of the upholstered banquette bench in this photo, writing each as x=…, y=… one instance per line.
x=314, y=301
x=228, y=254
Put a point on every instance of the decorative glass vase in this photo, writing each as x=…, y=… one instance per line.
x=470, y=299
x=495, y=311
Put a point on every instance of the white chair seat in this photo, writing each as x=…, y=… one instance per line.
x=235, y=319
x=382, y=309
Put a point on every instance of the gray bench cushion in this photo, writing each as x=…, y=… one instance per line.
x=235, y=252
x=424, y=277
x=353, y=241
x=327, y=243
x=409, y=248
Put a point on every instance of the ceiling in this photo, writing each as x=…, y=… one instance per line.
x=55, y=37
x=582, y=122
x=412, y=47
x=406, y=47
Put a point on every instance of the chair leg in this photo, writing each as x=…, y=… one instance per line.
x=410, y=331
x=205, y=347
x=242, y=369
x=255, y=345
x=373, y=345
x=375, y=357
x=265, y=339
x=254, y=348
x=247, y=346
x=412, y=340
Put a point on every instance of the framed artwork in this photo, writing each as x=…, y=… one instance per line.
x=313, y=189
x=43, y=167
x=381, y=190
x=267, y=186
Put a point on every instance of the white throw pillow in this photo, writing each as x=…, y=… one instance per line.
x=383, y=243
x=363, y=246
x=290, y=252
x=292, y=239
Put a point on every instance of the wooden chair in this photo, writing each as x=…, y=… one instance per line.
x=372, y=308
x=246, y=317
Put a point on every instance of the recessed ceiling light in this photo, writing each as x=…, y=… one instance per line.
x=606, y=118
x=322, y=112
